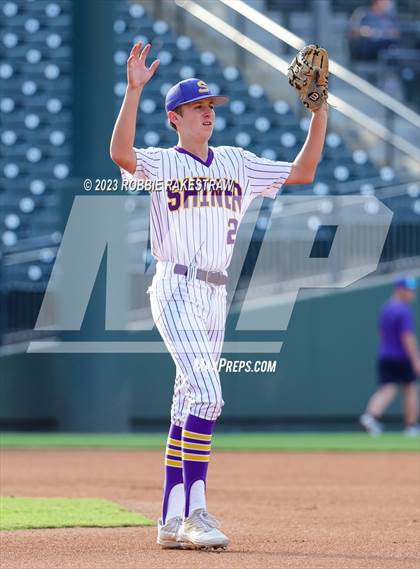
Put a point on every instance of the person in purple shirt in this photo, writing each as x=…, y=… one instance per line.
x=372, y=30
x=398, y=360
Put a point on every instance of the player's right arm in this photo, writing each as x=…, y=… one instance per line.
x=306, y=162
x=122, y=141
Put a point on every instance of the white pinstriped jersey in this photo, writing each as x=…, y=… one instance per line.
x=195, y=217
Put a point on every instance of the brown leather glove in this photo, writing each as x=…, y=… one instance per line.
x=308, y=73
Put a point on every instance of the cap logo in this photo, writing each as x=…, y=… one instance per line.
x=202, y=87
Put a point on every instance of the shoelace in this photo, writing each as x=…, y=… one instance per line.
x=211, y=520
x=175, y=524
x=205, y=520
x=178, y=524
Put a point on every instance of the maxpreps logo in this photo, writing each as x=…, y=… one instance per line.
x=100, y=228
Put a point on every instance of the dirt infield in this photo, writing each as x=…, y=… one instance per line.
x=300, y=511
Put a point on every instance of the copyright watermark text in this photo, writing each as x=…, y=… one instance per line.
x=114, y=185
x=188, y=184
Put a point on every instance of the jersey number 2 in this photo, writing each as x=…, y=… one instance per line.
x=232, y=229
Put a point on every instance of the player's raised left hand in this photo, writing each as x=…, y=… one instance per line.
x=308, y=74
x=138, y=74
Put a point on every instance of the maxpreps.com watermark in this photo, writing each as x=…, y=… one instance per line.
x=235, y=366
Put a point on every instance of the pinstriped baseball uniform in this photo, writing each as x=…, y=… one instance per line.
x=194, y=221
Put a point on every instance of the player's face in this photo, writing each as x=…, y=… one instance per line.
x=411, y=295
x=383, y=6
x=197, y=119
x=407, y=294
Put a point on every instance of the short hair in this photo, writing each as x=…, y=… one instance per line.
x=178, y=111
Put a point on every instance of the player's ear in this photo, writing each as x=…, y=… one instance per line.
x=173, y=118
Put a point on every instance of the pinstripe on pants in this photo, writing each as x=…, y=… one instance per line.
x=190, y=316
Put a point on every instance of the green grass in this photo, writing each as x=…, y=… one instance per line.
x=290, y=442
x=30, y=513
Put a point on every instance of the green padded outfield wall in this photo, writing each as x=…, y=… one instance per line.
x=325, y=372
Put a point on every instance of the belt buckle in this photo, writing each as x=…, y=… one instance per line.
x=207, y=276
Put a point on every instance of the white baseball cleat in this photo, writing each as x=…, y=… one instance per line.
x=412, y=431
x=201, y=531
x=372, y=425
x=168, y=533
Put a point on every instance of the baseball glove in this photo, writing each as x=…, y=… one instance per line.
x=308, y=73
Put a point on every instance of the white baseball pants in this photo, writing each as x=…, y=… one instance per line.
x=190, y=316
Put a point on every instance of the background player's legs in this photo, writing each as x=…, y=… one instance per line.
x=389, y=375
x=377, y=406
x=411, y=405
x=381, y=400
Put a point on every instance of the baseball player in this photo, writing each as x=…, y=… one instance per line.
x=194, y=222
x=398, y=360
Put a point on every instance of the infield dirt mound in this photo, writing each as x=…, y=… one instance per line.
x=300, y=511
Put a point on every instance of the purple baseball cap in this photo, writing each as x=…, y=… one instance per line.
x=406, y=282
x=188, y=91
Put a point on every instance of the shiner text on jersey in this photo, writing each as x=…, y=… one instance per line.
x=201, y=191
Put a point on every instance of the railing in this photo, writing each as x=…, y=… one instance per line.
x=276, y=62
x=21, y=298
x=340, y=71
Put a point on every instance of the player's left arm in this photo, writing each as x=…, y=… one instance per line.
x=306, y=162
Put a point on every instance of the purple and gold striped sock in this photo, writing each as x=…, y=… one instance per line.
x=173, y=475
x=196, y=446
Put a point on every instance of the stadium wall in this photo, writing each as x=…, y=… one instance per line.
x=325, y=372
